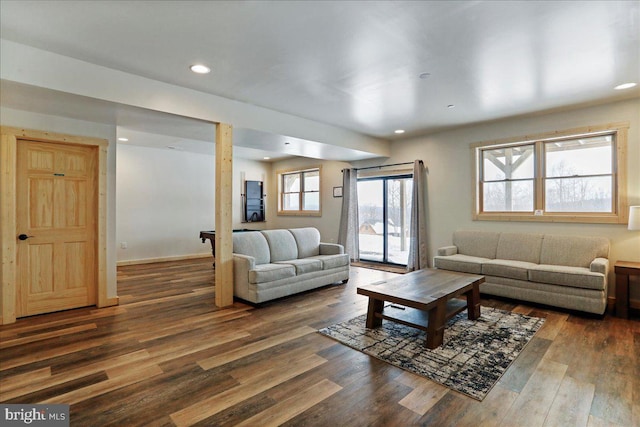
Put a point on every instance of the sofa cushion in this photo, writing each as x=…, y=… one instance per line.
x=481, y=244
x=507, y=268
x=252, y=243
x=333, y=261
x=281, y=244
x=304, y=265
x=574, y=251
x=458, y=262
x=308, y=241
x=519, y=247
x=269, y=272
x=577, y=277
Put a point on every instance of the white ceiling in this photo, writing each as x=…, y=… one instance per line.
x=356, y=64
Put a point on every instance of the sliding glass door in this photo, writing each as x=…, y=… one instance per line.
x=371, y=219
x=384, y=209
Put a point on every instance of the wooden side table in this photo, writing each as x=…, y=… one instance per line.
x=623, y=270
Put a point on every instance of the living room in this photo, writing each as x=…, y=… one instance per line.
x=159, y=198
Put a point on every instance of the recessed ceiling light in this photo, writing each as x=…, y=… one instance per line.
x=625, y=86
x=200, y=69
x=424, y=75
x=266, y=158
x=451, y=106
x=123, y=139
x=398, y=131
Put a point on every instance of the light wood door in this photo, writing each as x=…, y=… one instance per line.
x=56, y=208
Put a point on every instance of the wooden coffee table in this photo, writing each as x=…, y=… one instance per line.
x=427, y=299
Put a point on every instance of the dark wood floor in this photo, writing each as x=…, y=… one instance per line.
x=166, y=356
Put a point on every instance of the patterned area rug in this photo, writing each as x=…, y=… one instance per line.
x=473, y=357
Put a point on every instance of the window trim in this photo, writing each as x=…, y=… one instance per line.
x=619, y=174
x=299, y=212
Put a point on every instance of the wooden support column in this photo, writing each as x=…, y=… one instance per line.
x=223, y=210
x=8, y=153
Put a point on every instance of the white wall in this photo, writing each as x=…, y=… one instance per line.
x=329, y=222
x=28, y=120
x=166, y=197
x=449, y=160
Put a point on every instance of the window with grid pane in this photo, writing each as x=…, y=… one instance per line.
x=579, y=175
x=299, y=192
x=564, y=177
x=508, y=179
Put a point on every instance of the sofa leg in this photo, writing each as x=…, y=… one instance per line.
x=345, y=281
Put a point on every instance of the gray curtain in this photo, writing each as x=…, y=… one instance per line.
x=418, y=257
x=348, y=233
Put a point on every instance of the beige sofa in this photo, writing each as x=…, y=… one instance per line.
x=563, y=271
x=272, y=264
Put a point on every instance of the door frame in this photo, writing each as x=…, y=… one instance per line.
x=8, y=253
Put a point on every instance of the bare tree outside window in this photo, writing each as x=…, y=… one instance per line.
x=579, y=175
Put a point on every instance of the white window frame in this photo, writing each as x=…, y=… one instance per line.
x=299, y=212
x=619, y=214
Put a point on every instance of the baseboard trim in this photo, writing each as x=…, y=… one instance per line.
x=162, y=259
x=111, y=302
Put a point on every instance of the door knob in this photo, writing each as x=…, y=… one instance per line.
x=23, y=237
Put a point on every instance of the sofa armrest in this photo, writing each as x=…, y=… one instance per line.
x=600, y=265
x=331, y=249
x=447, y=250
x=241, y=287
x=243, y=263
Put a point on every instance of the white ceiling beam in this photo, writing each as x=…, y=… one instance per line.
x=36, y=67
